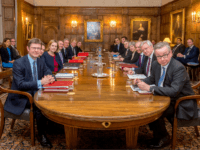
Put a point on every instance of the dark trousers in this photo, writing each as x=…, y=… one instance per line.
x=41, y=120
x=158, y=126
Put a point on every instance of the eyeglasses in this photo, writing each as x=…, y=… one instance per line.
x=164, y=56
x=36, y=48
x=145, y=48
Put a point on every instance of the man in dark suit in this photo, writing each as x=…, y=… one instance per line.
x=72, y=51
x=148, y=51
x=29, y=74
x=13, y=45
x=127, y=52
x=191, y=53
x=61, y=51
x=65, y=49
x=171, y=79
x=119, y=47
x=178, y=48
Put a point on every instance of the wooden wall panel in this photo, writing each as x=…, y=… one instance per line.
x=59, y=20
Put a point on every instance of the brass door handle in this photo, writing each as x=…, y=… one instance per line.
x=106, y=124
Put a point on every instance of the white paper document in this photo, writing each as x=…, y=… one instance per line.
x=136, y=76
x=64, y=75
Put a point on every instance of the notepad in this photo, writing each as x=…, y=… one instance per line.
x=136, y=76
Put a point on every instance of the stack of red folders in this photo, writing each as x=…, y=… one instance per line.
x=58, y=86
x=76, y=61
x=79, y=58
x=128, y=66
x=83, y=54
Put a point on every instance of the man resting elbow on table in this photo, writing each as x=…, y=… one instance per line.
x=171, y=79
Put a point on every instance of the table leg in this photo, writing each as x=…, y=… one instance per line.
x=131, y=137
x=71, y=137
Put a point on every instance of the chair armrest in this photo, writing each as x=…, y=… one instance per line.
x=196, y=86
x=186, y=98
x=18, y=92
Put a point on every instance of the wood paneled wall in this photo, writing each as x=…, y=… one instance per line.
x=8, y=18
x=55, y=23
x=192, y=30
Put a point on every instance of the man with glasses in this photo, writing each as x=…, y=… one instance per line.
x=171, y=79
x=119, y=47
x=29, y=74
x=148, y=51
x=13, y=45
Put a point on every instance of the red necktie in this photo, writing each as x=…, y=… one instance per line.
x=148, y=67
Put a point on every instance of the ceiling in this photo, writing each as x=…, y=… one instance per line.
x=100, y=3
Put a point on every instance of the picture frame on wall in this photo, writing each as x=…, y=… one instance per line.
x=29, y=31
x=177, y=25
x=140, y=28
x=93, y=30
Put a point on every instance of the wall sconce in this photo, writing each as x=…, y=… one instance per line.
x=74, y=24
x=113, y=24
x=196, y=17
x=167, y=40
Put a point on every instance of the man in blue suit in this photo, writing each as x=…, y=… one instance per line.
x=191, y=53
x=72, y=51
x=29, y=74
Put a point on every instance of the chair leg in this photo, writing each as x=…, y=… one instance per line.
x=12, y=124
x=32, y=127
x=2, y=126
x=174, y=130
x=196, y=130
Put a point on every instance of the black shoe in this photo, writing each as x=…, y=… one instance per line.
x=160, y=143
x=44, y=141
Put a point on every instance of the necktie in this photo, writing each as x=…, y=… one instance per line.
x=61, y=57
x=126, y=52
x=148, y=66
x=118, y=47
x=74, y=51
x=140, y=61
x=189, y=51
x=162, y=77
x=132, y=55
x=65, y=51
x=174, y=49
x=34, y=71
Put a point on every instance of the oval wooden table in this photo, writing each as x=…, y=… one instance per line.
x=101, y=104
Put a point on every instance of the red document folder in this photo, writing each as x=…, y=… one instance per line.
x=83, y=54
x=128, y=66
x=75, y=61
x=59, y=85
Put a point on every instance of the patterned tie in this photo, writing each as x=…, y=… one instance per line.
x=162, y=77
x=148, y=67
x=126, y=52
x=174, y=49
x=61, y=57
x=140, y=61
x=132, y=55
x=189, y=51
x=118, y=47
x=34, y=71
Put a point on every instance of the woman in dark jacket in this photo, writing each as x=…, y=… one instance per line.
x=7, y=54
x=51, y=57
x=78, y=48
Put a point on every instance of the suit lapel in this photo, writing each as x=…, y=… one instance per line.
x=39, y=69
x=28, y=67
x=169, y=68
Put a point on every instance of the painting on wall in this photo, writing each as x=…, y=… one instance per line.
x=93, y=30
x=29, y=31
x=140, y=29
x=177, y=25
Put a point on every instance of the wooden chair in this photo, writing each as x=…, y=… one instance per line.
x=186, y=123
x=26, y=115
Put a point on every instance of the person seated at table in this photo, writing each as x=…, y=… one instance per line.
x=72, y=51
x=78, y=47
x=13, y=45
x=29, y=74
x=7, y=54
x=127, y=52
x=119, y=47
x=171, y=79
x=65, y=49
x=147, y=48
x=178, y=48
x=42, y=49
x=123, y=39
x=132, y=55
x=140, y=60
x=191, y=53
x=51, y=57
x=61, y=51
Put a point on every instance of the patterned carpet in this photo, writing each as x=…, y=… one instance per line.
x=19, y=137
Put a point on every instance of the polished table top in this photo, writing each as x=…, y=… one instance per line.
x=101, y=99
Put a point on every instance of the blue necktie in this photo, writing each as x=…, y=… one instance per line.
x=162, y=77
x=34, y=71
x=118, y=47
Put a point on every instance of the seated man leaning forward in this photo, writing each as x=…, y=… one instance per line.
x=29, y=74
x=171, y=79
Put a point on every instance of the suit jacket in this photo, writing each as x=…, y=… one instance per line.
x=176, y=84
x=16, y=52
x=142, y=70
x=70, y=52
x=138, y=64
x=131, y=60
x=5, y=55
x=193, y=55
x=64, y=55
x=127, y=54
x=23, y=81
x=50, y=62
x=121, y=49
x=179, y=49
